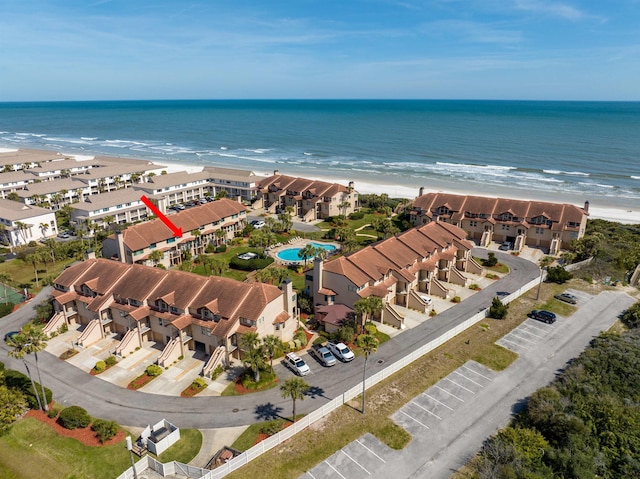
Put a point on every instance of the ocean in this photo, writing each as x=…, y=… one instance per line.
x=570, y=151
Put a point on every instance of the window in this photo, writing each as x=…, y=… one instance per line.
x=171, y=240
x=135, y=302
x=505, y=227
x=152, y=245
x=539, y=231
x=137, y=252
x=308, y=277
x=162, y=322
x=174, y=310
x=473, y=224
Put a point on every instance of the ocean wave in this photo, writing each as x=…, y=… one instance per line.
x=472, y=166
x=570, y=173
x=599, y=185
x=258, y=150
x=635, y=177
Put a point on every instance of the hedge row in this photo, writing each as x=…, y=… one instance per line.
x=250, y=264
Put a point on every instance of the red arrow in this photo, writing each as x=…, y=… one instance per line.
x=174, y=229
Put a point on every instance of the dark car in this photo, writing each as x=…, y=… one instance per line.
x=542, y=315
x=10, y=335
x=567, y=298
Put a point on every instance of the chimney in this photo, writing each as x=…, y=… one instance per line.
x=290, y=302
x=351, y=185
x=120, y=245
x=318, y=270
x=421, y=191
x=90, y=254
x=276, y=172
x=586, y=206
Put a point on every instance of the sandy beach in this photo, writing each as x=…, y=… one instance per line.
x=598, y=208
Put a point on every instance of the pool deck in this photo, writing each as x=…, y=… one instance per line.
x=295, y=242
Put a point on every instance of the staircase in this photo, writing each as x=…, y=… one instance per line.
x=439, y=289
x=473, y=266
x=129, y=343
x=170, y=353
x=214, y=361
x=456, y=277
x=391, y=317
x=91, y=334
x=486, y=238
x=54, y=324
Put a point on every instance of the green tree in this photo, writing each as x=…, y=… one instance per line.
x=35, y=342
x=367, y=309
x=498, y=309
x=254, y=353
x=156, y=256
x=557, y=274
x=294, y=388
x=18, y=350
x=369, y=345
x=272, y=346
x=307, y=252
x=631, y=317
x=33, y=259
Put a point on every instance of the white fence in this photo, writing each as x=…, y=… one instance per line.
x=306, y=421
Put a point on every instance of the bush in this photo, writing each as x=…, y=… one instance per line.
x=631, y=317
x=272, y=427
x=370, y=329
x=210, y=248
x=356, y=215
x=199, y=383
x=455, y=299
x=300, y=338
x=498, y=310
x=53, y=412
x=217, y=371
x=111, y=361
x=99, y=367
x=153, y=370
x=491, y=260
x=15, y=379
x=221, y=249
x=74, y=417
x=104, y=429
x=345, y=334
x=254, y=264
x=6, y=308
x=557, y=274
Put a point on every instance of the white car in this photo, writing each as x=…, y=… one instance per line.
x=341, y=351
x=425, y=298
x=257, y=224
x=296, y=364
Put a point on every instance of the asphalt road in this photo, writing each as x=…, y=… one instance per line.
x=71, y=386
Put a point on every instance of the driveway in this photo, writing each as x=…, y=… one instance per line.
x=72, y=386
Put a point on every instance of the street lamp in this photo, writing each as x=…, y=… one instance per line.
x=133, y=464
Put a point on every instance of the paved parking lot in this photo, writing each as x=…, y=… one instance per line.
x=420, y=417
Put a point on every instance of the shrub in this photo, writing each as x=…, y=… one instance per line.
x=491, y=260
x=370, y=329
x=99, y=367
x=319, y=340
x=74, y=417
x=221, y=249
x=474, y=287
x=345, y=334
x=455, y=299
x=217, y=371
x=498, y=310
x=6, y=308
x=300, y=338
x=433, y=312
x=111, y=361
x=272, y=427
x=104, y=429
x=254, y=264
x=356, y=215
x=15, y=379
x=153, y=370
x=557, y=274
x=53, y=412
x=199, y=383
x=631, y=317
x=210, y=248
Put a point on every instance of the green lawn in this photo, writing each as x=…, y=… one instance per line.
x=22, y=273
x=185, y=449
x=34, y=450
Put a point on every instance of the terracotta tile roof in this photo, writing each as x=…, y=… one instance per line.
x=327, y=291
x=143, y=235
x=334, y=313
x=561, y=214
x=281, y=318
x=242, y=329
x=401, y=255
x=63, y=297
x=300, y=185
x=140, y=313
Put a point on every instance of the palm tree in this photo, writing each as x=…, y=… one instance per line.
x=33, y=259
x=43, y=228
x=17, y=344
x=309, y=251
x=369, y=345
x=156, y=256
x=219, y=234
x=22, y=227
x=254, y=353
x=343, y=207
x=544, y=263
x=36, y=341
x=294, y=388
x=368, y=308
x=221, y=194
x=272, y=346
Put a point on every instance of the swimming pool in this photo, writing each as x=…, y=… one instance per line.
x=291, y=254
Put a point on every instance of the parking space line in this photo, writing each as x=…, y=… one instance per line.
x=535, y=326
x=524, y=339
x=356, y=462
x=414, y=419
x=468, y=379
x=337, y=472
x=513, y=342
x=358, y=441
x=426, y=410
x=459, y=385
x=312, y=476
x=532, y=334
x=476, y=372
x=451, y=394
x=443, y=404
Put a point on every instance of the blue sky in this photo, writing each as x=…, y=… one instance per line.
x=463, y=49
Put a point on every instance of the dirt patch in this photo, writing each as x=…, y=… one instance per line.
x=85, y=435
